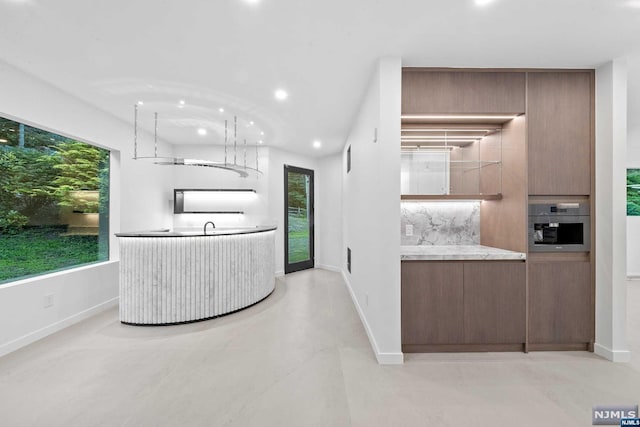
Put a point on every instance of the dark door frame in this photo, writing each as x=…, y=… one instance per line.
x=310, y=263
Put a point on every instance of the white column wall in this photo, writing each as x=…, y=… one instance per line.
x=371, y=204
x=611, y=134
x=633, y=161
x=137, y=200
x=329, y=254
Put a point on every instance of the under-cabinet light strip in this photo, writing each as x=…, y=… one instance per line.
x=446, y=130
x=216, y=189
x=211, y=212
x=440, y=137
x=439, y=140
x=457, y=117
x=430, y=147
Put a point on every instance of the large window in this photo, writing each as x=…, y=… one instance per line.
x=54, y=202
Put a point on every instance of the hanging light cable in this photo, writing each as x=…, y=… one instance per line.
x=235, y=140
x=155, y=137
x=225, y=142
x=135, y=131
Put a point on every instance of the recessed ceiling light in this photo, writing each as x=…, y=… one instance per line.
x=221, y=110
x=281, y=94
x=261, y=142
x=483, y=2
x=251, y=123
x=202, y=131
x=261, y=133
x=317, y=144
x=140, y=103
x=252, y=1
x=181, y=102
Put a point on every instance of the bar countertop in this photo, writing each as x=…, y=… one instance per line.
x=222, y=231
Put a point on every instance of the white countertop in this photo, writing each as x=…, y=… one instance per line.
x=457, y=252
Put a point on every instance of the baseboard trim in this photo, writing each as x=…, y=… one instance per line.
x=329, y=267
x=382, y=358
x=621, y=356
x=461, y=348
x=32, y=337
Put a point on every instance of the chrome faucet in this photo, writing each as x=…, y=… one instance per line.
x=205, y=226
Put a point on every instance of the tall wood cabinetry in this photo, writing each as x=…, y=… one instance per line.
x=559, y=132
x=548, y=157
x=560, y=136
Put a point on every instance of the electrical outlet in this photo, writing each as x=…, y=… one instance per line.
x=409, y=230
x=48, y=301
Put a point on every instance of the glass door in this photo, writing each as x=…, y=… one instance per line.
x=298, y=219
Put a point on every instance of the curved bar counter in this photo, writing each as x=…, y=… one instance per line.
x=172, y=277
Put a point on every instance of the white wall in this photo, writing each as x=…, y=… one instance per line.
x=136, y=204
x=371, y=204
x=611, y=135
x=268, y=206
x=633, y=161
x=633, y=222
x=329, y=253
x=78, y=294
x=255, y=207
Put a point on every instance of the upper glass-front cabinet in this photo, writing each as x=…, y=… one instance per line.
x=451, y=161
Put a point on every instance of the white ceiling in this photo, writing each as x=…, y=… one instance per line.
x=234, y=54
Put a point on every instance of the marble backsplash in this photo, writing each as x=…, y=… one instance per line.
x=440, y=223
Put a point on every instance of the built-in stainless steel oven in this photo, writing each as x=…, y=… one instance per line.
x=559, y=227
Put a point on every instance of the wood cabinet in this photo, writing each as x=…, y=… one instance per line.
x=494, y=302
x=462, y=92
x=432, y=302
x=462, y=303
x=561, y=310
x=559, y=128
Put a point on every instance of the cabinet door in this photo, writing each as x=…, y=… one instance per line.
x=560, y=302
x=458, y=92
x=559, y=114
x=432, y=302
x=494, y=302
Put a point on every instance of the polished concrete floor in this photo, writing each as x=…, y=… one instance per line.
x=300, y=358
